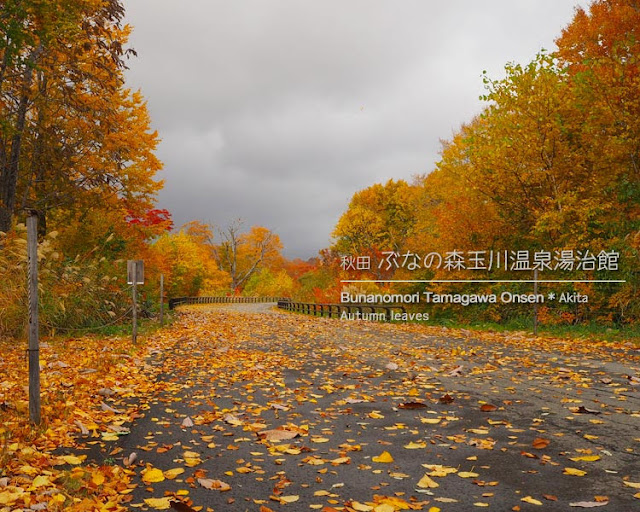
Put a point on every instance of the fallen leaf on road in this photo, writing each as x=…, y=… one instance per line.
x=539, y=443
x=360, y=507
x=158, y=503
x=217, y=485
x=585, y=458
x=446, y=399
x=574, y=472
x=384, y=457
x=170, y=474
x=415, y=446
x=412, y=405
x=277, y=435
x=427, y=483
x=152, y=475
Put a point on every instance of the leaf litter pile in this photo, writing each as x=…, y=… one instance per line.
x=235, y=411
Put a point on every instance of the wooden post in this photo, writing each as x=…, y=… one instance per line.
x=134, y=309
x=161, y=300
x=34, y=348
x=535, y=304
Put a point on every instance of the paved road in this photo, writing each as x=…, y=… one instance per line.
x=355, y=390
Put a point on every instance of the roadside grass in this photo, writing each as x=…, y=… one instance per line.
x=589, y=331
x=146, y=326
x=595, y=331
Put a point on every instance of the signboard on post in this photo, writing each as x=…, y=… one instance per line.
x=135, y=276
x=135, y=270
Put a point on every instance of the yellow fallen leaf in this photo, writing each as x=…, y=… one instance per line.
x=40, y=481
x=634, y=485
x=533, y=501
x=415, y=446
x=467, y=474
x=480, y=504
x=574, y=472
x=434, y=509
x=72, y=459
x=97, y=478
x=152, y=475
x=360, y=507
x=384, y=507
x=427, y=483
x=585, y=458
x=383, y=457
x=158, y=503
x=289, y=499
x=439, y=470
x=170, y=474
x=375, y=415
x=431, y=421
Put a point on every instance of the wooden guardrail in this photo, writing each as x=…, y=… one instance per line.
x=354, y=311
x=177, y=301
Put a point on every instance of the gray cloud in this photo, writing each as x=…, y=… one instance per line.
x=278, y=111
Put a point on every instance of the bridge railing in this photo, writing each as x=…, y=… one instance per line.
x=178, y=301
x=359, y=311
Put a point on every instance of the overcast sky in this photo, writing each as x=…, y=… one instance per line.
x=277, y=111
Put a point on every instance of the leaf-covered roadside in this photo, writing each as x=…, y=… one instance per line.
x=91, y=387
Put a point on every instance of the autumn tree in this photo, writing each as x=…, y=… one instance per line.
x=71, y=134
x=186, y=260
x=269, y=283
x=242, y=254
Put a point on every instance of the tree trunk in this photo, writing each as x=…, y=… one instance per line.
x=10, y=170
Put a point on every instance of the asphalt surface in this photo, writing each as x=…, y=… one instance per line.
x=505, y=417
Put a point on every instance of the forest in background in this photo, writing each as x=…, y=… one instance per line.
x=551, y=164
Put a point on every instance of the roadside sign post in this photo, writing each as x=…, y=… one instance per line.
x=135, y=276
